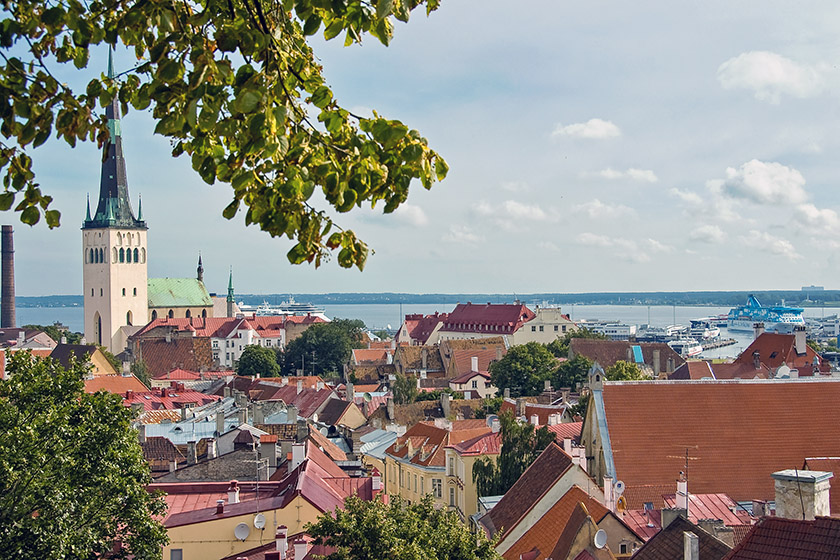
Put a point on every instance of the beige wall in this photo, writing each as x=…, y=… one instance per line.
x=548, y=325
x=484, y=388
x=352, y=418
x=113, y=289
x=213, y=540
x=461, y=480
x=401, y=479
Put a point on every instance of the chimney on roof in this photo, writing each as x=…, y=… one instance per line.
x=375, y=480
x=302, y=431
x=657, y=365
x=507, y=392
x=299, y=386
x=474, y=363
x=141, y=433
x=389, y=408
x=281, y=543
x=233, y=492
x=284, y=381
x=756, y=356
x=351, y=391
x=759, y=508
x=495, y=426
x=301, y=548
x=802, y=494
x=242, y=413
x=669, y=368
x=63, y=340
x=424, y=358
x=520, y=406
x=7, y=298
x=220, y=507
x=319, y=385
x=691, y=546
x=682, y=494
x=212, y=450
x=630, y=354
x=298, y=455
x=717, y=528
x=126, y=369
x=669, y=514
x=184, y=412
x=173, y=465
x=799, y=340
x=220, y=423
x=137, y=408
x=609, y=494
x=444, y=404
x=535, y=420
x=268, y=450
x=758, y=329
x=192, y=457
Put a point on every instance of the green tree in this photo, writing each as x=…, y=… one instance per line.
x=625, y=371
x=141, y=372
x=524, y=369
x=560, y=346
x=72, y=475
x=235, y=86
x=324, y=348
x=113, y=360
x=398, y=531
x=55, y=333
x=404, y=389
x=521, y=445
x=258, y=360
x=573, y=372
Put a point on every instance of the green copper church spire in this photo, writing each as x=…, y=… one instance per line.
x=87, y=216
x=230, y=298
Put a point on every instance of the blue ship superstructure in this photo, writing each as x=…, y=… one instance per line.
x=743, y=318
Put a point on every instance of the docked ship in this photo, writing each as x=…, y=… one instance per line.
x=775, y=318
x=686, y=347
x=288, y=307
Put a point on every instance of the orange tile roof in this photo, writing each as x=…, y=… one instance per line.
x=462, y=360
x=544, y=533
x=569, y=430
x=827, y=464
x=116, y=384
x=427, y=441
x=543, y=411
x=738, y=432
x=370, y=355
x=775, y=538
x=485, y=444
x=777, y=349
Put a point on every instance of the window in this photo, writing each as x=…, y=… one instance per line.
x=128, y=255
x=422, y=484
x=533, y=328
x=91, y=256
x=171, y=314
x=415, y=483
x=541, y=328
x=122, y=255
x=475, y=384
x=564, y=328
x=452, y=496
x=188, y=314
x=101, y=292
x=135, y=291
x=176, y=554
x=136, y=255
x=91, y=292
x=128, y=316
x=623, y=548
x=154, y=315
x=402, y=479
x=204, y=313
x=556, y=328
x=451, y=466
x=437, y=488
x=123, y=292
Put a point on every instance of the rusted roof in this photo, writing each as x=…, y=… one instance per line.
x=608, y=352
x=492, y=318
x=668, y=543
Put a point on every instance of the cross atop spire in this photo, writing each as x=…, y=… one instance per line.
x=114, y=206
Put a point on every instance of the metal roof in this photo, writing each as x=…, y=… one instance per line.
x=178, y=292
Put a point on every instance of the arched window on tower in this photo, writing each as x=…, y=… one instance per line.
x=122, y=254
x=171, y=314
x=91, y=256
x=114, y=257
x=119, y=239
x=128, y=255
x=188, y=314
x=154, y=315
x=136, y=255
x=128, y=318
x=204, y=313
x=102, y=255
x=97, y=329
x=143, y=255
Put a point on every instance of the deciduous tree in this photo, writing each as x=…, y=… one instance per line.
x=398, y=531
x=235, y=86
x=324, y=348
x=258, y=360
x=524, y=369
x=625, y=371
x=72, y=475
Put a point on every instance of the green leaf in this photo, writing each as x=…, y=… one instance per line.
x=312, y=24
x=247, y=101
x=30, y=215
x=441, y=168
x=384, y=8
x=6, y=200
x=321, y=97
x=53, y=218
x=230, y=210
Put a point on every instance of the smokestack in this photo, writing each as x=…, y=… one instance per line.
x=7, y=305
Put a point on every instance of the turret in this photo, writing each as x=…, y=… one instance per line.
x=230, y=297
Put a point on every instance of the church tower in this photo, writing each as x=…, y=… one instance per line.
x=114, y=249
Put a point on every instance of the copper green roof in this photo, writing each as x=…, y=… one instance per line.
x=178, y=292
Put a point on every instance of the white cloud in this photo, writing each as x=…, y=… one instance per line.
x=513, y=215
x=707, y=234
x=597, y=209
x=462, y=235
x=688, y=197
x=593, y=129
x=657, y=246
x=549, y=246
x=414, y=215
x=770, y=76
x=624, y=249
x=768, y=243
x=818, y=221
x=516, y=186
x=766, y=183
x=633, y=174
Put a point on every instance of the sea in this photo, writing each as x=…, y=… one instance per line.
x=388, y=316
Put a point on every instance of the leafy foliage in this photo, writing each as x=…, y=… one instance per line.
x=625, y=371
x=256, y=360
x=113, y=360
x=404, y=389
x=574, y=372
x=236, y=87
x=141, y=371
x=560, y=347
x=324, y=348
x=398, y=531
x=436, y=394
x=524, y=369
x=55, y=333
x=521, y=445
x=490, y=405
x=72, y=475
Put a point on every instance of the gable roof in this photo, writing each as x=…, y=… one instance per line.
x=178, y=292
x=63, y=353
x=722, y=423
x=117, y=384
x=485, y=444
x=333, y=411
x=526, y=492
x=189, y=353
x=543, y=535
x=496, y=318
x=420, y=327
x=608, y=352
x=543, y=411
x=465, y=377
x=775, y=538
x=667, y=544
x=776, y=349
x=423, y=444
x=461, y=360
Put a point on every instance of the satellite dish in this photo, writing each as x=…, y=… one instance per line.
x=242, y=531
x=619, y=488
x=367, y=397
x=492, y=418
x=259, y=521
x=600, y=539
x=388, y=326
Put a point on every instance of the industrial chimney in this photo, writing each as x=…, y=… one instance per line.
x=7, y=297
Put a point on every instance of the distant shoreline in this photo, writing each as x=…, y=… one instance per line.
x=820, y=298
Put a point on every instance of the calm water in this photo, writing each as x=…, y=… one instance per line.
x=383, y=316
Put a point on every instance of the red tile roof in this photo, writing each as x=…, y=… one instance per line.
x=419, y=327
x=489, y=318
x=161, y=357
x=527, y=491
x=464, y=378
x=736, y=442
x=712, y=506
x=168, y=398
x=608, y=352
x=777, y=349
x=486, y=444
x=827, y=464
x=116, y=384
x=423, y=444
x=543, y=411
x=543, y=534
x=668, y=544
x=568, y=430
x=461, y=360
x=179, y=374
x=775, y=538
x=223, y=327
x=370, y=355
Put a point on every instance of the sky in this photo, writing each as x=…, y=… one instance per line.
x=593, y=146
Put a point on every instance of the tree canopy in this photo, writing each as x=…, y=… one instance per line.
x=324, y=348
x=521, y=445
x=235, y=86
x=625, y=371
x=258, y=360
x=573, y=372
x=398, y=531
x=524, y=369
x=560, y=347
x=72, y=475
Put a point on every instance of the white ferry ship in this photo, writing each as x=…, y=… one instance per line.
x=778, y=317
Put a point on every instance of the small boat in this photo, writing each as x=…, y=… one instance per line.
x=686, y=347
